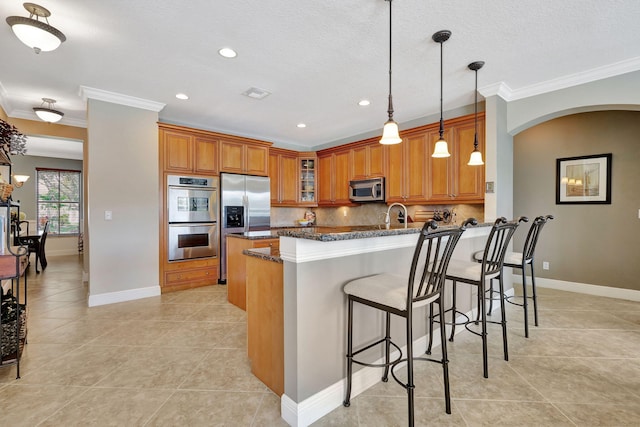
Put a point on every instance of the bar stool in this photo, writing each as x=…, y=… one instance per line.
x=400, y=295
x=520, y=260
x=477, y=274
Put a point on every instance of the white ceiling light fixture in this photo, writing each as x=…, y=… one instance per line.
x=227, y=52
x=390, y=133
x=38, y=35
x=182, y=96
x=48, y=113
x=476, y=155
x=301, y=125
x=364, y=103
x=441, y=149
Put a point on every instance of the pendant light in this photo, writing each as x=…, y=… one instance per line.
x=390, y=133
x=441, y=149
x=46, y=112
x=476, y=155
x=38, y=35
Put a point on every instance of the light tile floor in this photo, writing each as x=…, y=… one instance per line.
x=180, y=359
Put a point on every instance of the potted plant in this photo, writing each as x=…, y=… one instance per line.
x=11, y=142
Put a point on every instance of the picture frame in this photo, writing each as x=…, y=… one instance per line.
x=584, y=179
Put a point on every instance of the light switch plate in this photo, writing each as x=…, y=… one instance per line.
x=108, y=215
x=488, y=187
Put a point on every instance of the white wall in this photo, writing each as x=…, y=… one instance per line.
x=122, y=157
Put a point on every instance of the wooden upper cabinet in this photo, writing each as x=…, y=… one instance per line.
x=408, y=170
x=469, y=180
x=452, y=180
x=177, y=150
x=334, y=176
x=244, y=158
x=206, y=155
x=283, y=171
x=368, y=161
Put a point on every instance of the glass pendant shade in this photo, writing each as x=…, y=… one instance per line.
x=48, y=115
x=441, y=149
x=38, y=35
x=390, y=133
x=476, y=158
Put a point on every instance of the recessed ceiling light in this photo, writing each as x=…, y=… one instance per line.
x=227, y=52
x=301, y=125
x=182, y=96
x=364, y=102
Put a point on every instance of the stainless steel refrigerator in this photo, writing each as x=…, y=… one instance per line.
x=245, y=205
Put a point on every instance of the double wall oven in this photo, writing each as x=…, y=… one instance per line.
x=192, y=203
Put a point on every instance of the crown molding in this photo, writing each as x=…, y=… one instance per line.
x=117, y=98
x=612, y=70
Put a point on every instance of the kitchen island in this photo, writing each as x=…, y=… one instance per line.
x=317, y=262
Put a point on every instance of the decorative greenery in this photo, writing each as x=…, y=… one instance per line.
x=11, y=140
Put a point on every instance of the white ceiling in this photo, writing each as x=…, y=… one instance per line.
x=54, y=147
x=317, y=58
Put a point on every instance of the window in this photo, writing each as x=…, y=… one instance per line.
x=58, y=197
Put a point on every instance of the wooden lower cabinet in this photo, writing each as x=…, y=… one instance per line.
x=180, y=275
x=265, y=321
x=237, y=267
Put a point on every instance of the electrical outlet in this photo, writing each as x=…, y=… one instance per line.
x=545, y=265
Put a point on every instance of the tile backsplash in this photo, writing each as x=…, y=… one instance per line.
x=367, y=214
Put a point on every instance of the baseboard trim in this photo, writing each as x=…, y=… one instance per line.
x=122, y=296
x=584, y=288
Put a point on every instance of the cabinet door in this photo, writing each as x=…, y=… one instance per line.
x=178, y=154
x=231, y=157
x=360, y=167
x=274, y=178
x=206, y=155
x=395, y=178
x=376, y=160
x=342, y=177
x=469, y=180
x=416, y=168
x=325, y=174
x=289, y=179
x=256, y=160
x=308, y=174
x=441, y=169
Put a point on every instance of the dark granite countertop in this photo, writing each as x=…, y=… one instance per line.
x=330, y=234
x=267, y=254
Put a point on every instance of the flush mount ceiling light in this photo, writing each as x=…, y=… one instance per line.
x=441, y=149
x=227, y=52
x=364, y=103
x=390, y=133
x=301, y=125
x=47, y=113
x=476, y=155
x=38, y=35
x=182, y=96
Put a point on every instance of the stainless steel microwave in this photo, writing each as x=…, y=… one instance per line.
x=367, y=190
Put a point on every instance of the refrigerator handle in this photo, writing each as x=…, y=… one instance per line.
x=247, y=217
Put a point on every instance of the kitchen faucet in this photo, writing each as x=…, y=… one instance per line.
x=387, y=219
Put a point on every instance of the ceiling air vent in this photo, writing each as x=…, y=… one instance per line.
x=256, y=93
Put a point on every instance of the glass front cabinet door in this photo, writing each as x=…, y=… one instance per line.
x=307, y=181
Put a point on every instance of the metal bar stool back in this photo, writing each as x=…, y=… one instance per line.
x=520, y=260
x=477, y=274
x=395, y=294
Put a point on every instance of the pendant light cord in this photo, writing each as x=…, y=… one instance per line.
x=475, y=137
x=441, y=78
x=390, y=109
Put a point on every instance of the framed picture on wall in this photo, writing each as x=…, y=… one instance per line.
x=584, y=180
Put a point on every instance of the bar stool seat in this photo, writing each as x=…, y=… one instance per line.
x=399, y=295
